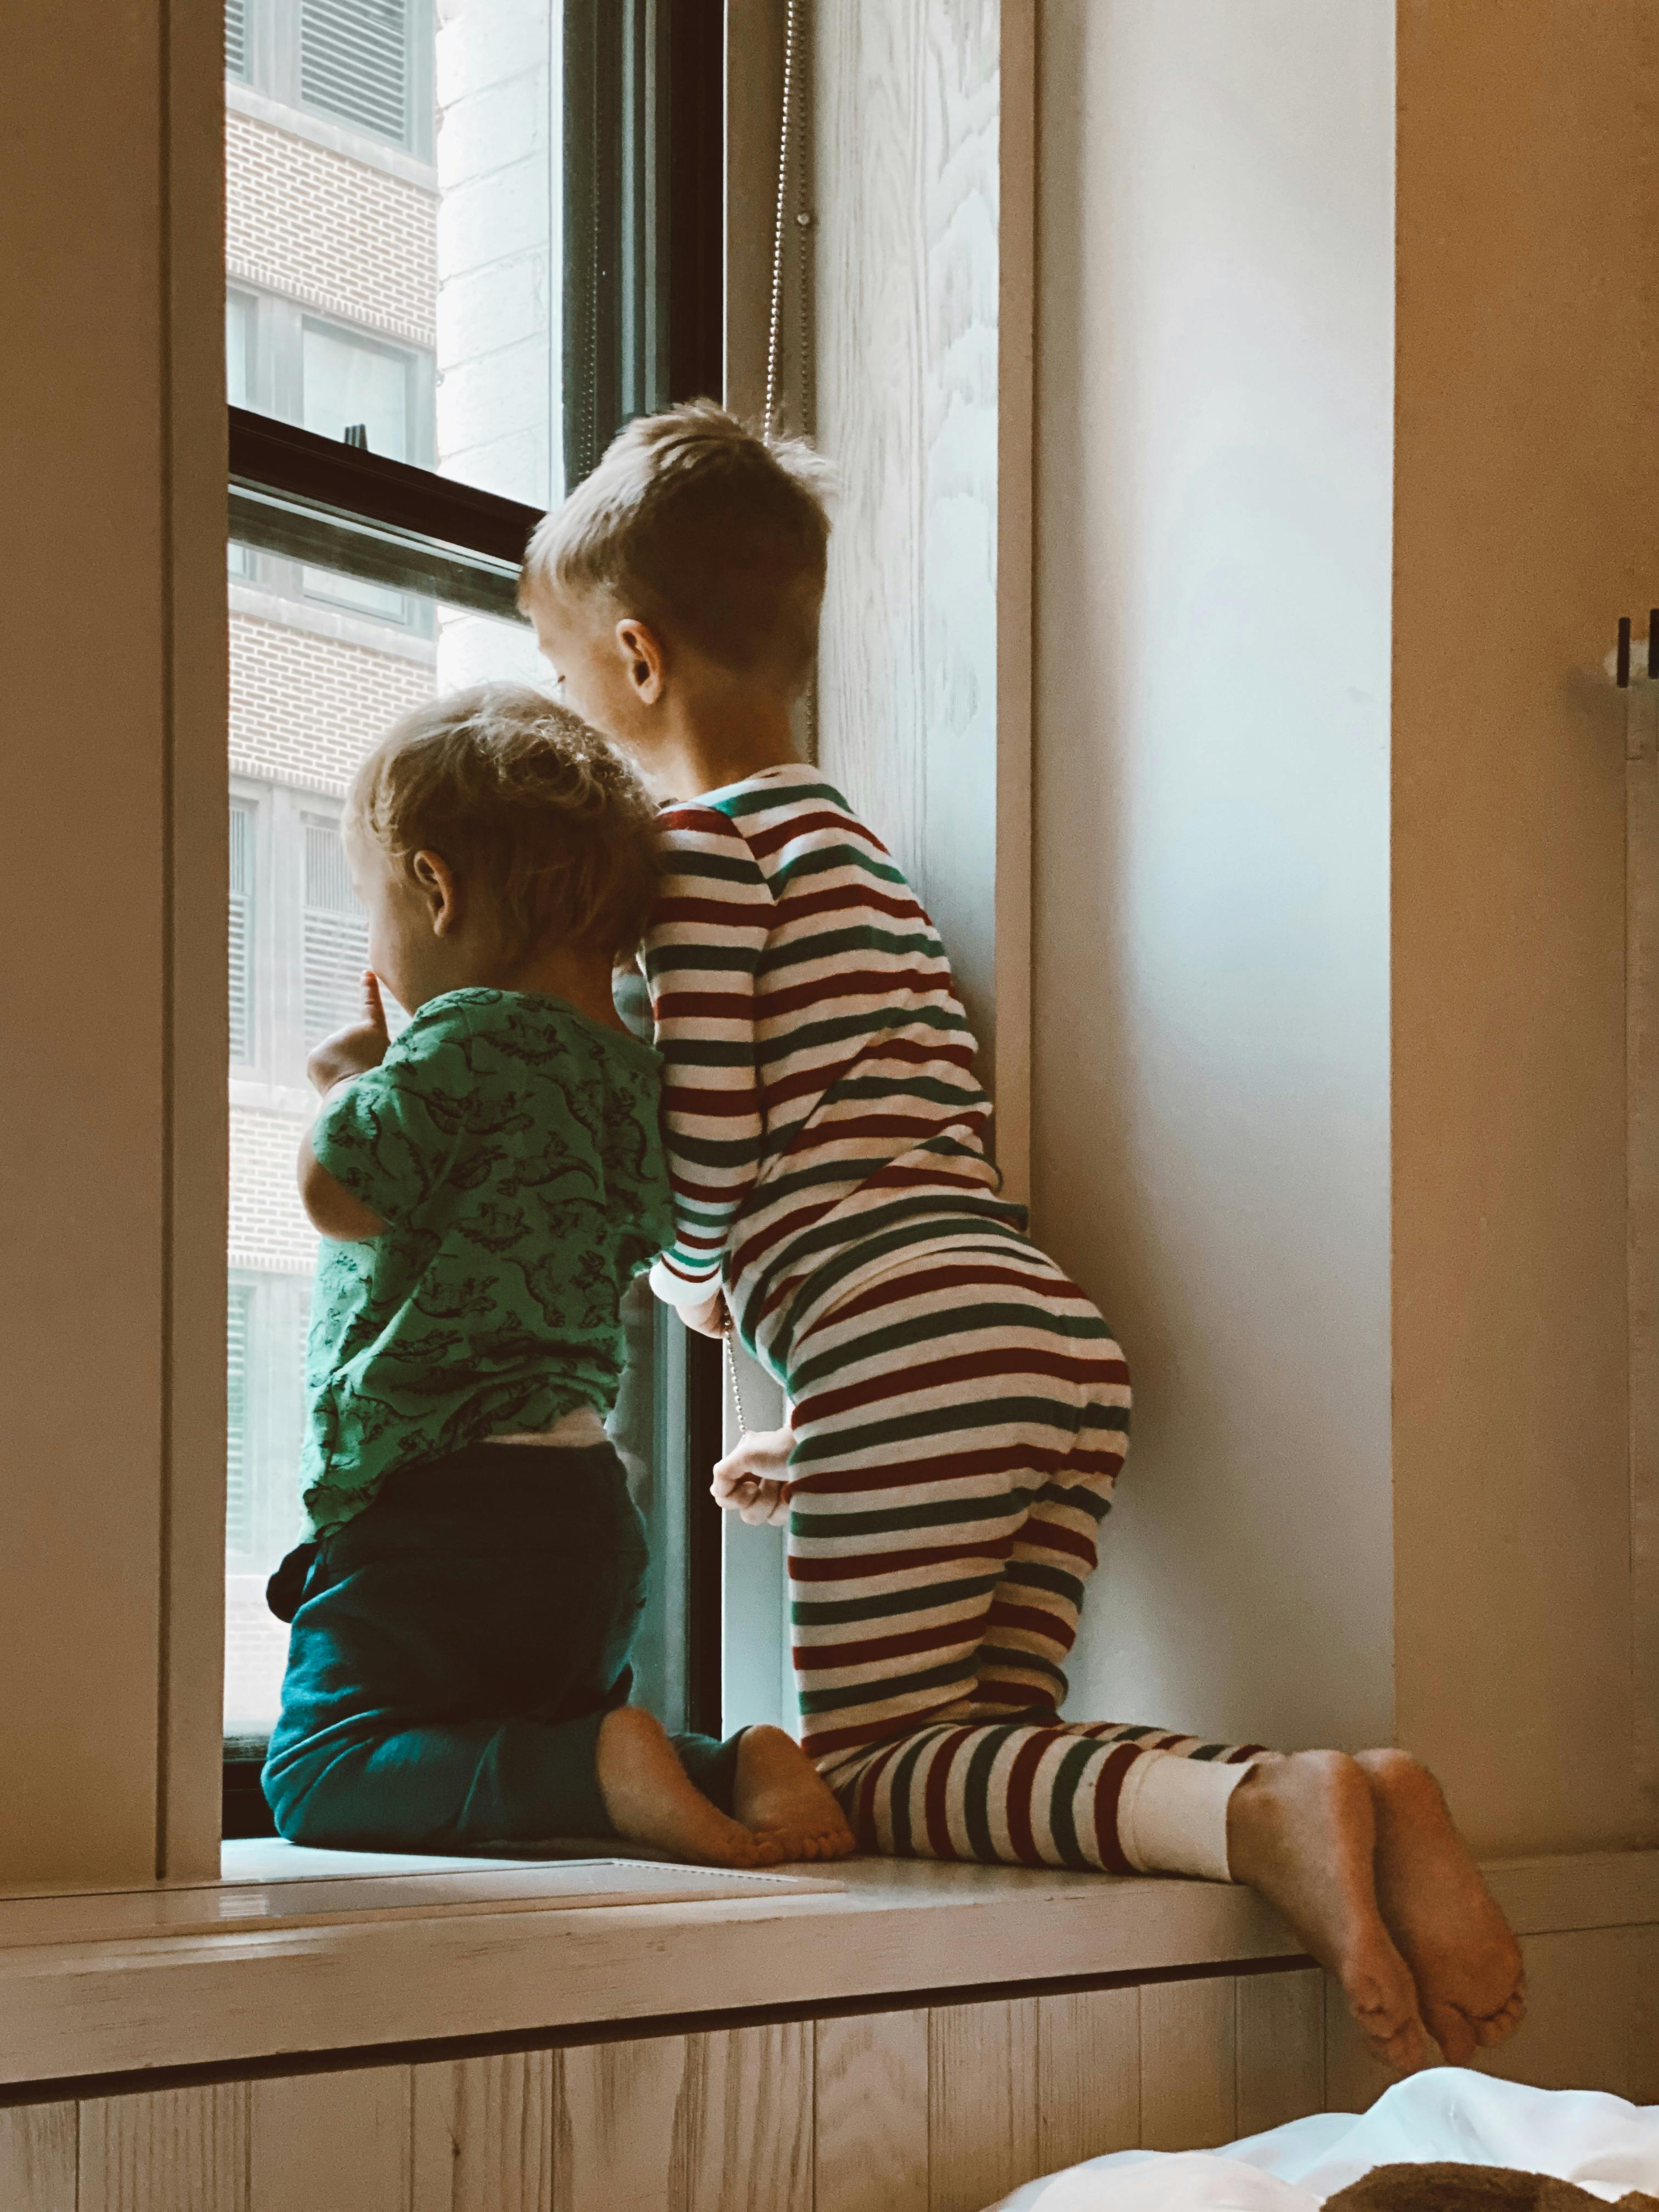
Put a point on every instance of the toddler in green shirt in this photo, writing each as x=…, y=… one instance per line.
x=487, y=1186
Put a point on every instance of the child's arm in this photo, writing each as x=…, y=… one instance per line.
x=703, y=954
x=333, y=1209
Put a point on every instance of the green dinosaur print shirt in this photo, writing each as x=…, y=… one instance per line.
x=511, y=1146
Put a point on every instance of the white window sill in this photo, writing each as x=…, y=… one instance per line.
x=300, y=1951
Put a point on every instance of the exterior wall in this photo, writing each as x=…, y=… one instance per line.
x=304, y=704
x=1215, y=280
x=502, y=248
x=1528, y=383
x=339, y=234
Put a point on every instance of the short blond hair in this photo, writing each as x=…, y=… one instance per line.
x=702, y=526
x=518, y=794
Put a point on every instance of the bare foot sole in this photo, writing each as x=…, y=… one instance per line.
x=652, y=1799
x=1300, y=1830
x=1462, y=1951
x=781, y=1794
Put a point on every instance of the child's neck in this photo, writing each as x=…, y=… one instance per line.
x=720, y=735
x=580, y=977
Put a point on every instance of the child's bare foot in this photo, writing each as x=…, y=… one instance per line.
x=652, y=1799
x=1458, y=1945
x=1300, y=1830
x=781, y=1795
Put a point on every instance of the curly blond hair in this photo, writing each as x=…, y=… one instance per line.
x=518, y=794
x=699, y=524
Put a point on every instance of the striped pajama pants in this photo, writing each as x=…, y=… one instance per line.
x=958, y=1426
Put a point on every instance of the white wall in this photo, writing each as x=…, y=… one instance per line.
x=1211, y=1064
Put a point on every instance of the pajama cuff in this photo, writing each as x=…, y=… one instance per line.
x=1172, y=1814
x=674, y=1290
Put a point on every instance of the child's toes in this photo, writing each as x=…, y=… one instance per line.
x=1453, y=2031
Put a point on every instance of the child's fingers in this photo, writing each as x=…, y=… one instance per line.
x=373, y=1005
x=768, y=1507
x=731, y=1487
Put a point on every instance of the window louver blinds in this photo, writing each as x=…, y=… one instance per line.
x=336, y=934
x=236, y=38
x=241, y=931
x=354, y=63
x=238, y=1488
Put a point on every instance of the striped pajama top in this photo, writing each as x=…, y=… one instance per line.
x=822, y=1121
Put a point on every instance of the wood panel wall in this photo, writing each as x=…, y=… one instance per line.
x=941, y=2110
x=922, y=306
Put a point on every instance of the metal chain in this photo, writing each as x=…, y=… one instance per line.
x=775, y=326
x=731, y=1377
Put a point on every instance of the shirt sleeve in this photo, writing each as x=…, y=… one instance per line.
x=702, y=952
x=390, y=1134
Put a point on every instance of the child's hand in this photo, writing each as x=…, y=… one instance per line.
x=752, y=1480
x=359, y=1045
x=709, y=1319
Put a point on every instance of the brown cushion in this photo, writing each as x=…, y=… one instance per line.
x=1451, y=2188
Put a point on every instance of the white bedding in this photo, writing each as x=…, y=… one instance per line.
x=1605, y=2145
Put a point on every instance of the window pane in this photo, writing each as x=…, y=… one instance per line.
x=239, y=349
x=395, y=211
x=350, y=385
x=312, y=691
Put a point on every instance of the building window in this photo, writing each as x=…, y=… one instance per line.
x=336, y=932
x=403, y=392
x=241, y=931
x=356, y=62
x=239, y=1489
x=365, y=65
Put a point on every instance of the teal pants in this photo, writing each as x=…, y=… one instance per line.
x=454, y=1650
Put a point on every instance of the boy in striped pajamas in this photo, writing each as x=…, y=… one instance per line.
x=960, y=1410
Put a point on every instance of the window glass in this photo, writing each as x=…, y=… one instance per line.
x=394, y=211
x=396, y=208
x=350, y=386
x=239, y=346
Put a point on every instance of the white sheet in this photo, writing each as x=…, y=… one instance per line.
x=1605, y=2145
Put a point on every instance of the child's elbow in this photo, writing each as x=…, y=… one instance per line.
x=331, y=1208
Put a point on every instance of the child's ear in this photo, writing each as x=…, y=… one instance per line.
x=435, y=879
x=643, y=658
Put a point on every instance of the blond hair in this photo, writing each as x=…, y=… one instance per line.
x=700, y=527
x=519, y=794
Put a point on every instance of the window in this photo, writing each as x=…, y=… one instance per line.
x=363, y=66
x=336, y=934
x=241, y=931
x=412, y=211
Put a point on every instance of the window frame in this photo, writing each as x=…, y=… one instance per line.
x=293, y=493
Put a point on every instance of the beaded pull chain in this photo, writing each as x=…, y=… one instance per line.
x=732, y=1379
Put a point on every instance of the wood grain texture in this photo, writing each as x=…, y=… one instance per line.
x=37, y=2157
x=744, y=2132
x=1189, y=2064
x=615, y=2133
x=1088, y=2076
x=1353, y=2079
x=331, y=2142
x=174, y=2150
x=869, y=2075
x=981, y=2102
x=1588, y=1999
x=905, y=278
x=482, y=2135
x=1280, y=2029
